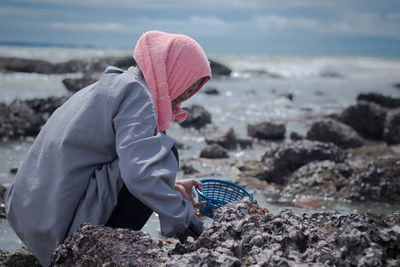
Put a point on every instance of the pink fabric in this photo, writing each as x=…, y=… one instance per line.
x=170, y=64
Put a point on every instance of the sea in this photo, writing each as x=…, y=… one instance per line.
x=293, y=89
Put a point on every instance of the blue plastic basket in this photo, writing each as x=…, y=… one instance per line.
x=218, y=193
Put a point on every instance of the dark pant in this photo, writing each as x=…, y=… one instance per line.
x=130, y=212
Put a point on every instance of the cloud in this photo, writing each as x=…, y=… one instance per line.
x=351, y=23
x=110, y=26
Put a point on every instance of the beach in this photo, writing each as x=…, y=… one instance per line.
x=291, y=90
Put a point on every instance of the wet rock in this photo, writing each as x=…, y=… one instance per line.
x=382, y=100
x=18, y=119
x=222, y=135
x=187, y=169
x=219, y=69
x=391, y=133
x=197, y=117
x=320, y=179
x=296, y=136
x=2, y=208
x=210, y=91
x=244, y=234
x=280, y=161
x=214, y=151
x=366, y=118
x=244, y=141
x=379, y=180
x=249, y=233
x=332, y=131
x=91, y=246
x=46, y=106
x=18, y=258
x=25, y=65
x=74, y=85
x=266, y=130
x=287, y=95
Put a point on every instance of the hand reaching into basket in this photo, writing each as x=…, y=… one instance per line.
x=185, y=187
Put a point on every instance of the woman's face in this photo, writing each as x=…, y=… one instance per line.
x=187, y=93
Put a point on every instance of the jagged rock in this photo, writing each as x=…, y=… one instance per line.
x=2, y=193
x=332, y=131
x=382, y=100
x=366, y=118
x=391, y=133
x=320, y=179
x=249, y=233
x=244, y=141
x=74, y=85
x=46, y=106
x=214, y=151
x=219, y=69
x=25, y=65
x=282, y=160
x=106, y=246
x=197, y=117
x=187, y=169
x=211, y=91
x=224, y=135
x=18, y=119
x=18, y=258
x=296, y=136
x=266, y=130
x=379, y=180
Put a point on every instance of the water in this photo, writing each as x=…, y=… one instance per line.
x=319, y=85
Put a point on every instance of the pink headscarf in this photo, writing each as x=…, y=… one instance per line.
x=170, y=64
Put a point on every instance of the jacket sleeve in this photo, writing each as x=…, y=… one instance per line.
x=148, y=166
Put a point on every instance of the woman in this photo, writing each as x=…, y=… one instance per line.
x=102, y=157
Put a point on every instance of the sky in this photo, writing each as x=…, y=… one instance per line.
x=315, y=27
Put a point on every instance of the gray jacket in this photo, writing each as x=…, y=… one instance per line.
x=103, y=136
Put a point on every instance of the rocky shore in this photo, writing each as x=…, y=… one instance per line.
x=344, y=156
x=243, y=234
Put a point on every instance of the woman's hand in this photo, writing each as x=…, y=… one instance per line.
x=185, y=187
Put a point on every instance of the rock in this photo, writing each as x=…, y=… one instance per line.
x=18, y=258
x=2, y=208
x=287, y=95
x=391, y=133
x=91, y=246
x=74, y=85
x=214, y=151
x=266, y=130
x=379, y=180
x=222, y=135
x=197, y=117
x=384, y=101
x=320, y=179
x=18, y=119
x=219, y=69
x=211, y=91
x=330, y=74
x=187, y=169
x=397, y=85
x=249, y=233
x=296, y=136
x=46, y=106
x=280, y=161
x=14, y=170
x=244, y=234
x=25, y=65
x=244, y=141
x=333, y=131
x=366, y=118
